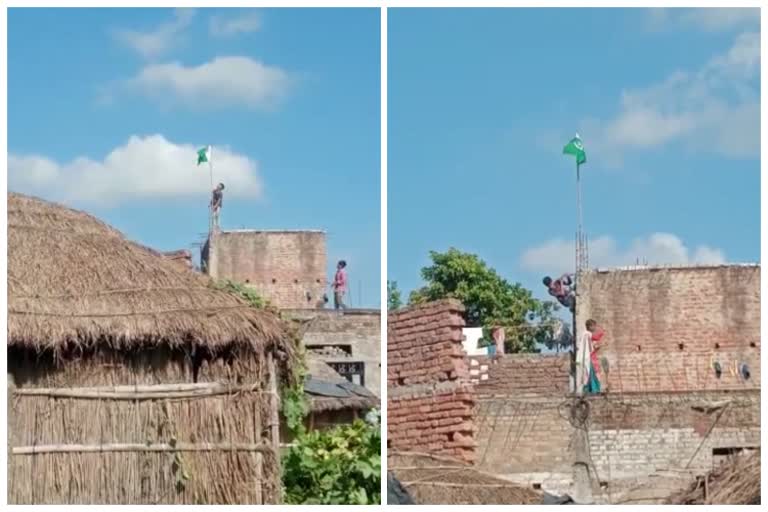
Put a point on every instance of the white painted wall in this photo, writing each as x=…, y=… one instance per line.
x=472, y=336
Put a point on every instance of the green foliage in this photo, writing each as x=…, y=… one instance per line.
x=394, y=298
x=294, y=407
x=335, y=467
x=489, y=299
x=246, y=293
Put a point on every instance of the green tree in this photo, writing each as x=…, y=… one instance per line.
x=394, y=298
x=489, y=299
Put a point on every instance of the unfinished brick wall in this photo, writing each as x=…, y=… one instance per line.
x=350, y=336
x=667, y=326
x=632, y=437
x=646, y=433
x=525, y=439
x=526, y=374
x=430, y=401
x=286, y=267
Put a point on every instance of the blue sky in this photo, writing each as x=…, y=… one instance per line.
x=482, y=101
x=106, y=108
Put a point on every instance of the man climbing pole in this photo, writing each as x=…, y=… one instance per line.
x=563, y=289
x=216, y=202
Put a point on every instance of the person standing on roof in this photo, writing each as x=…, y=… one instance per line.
x=340, y=285
x=216, y=202
x=597, y=334
x=587, y=380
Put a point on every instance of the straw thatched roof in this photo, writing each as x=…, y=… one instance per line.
x=329, y=391
x=75, y=281
x=439, y=480
x=736, y=482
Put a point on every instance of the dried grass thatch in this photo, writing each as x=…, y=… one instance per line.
x=119, y=469
x=736, y=482
x=436, y=480
x=131, y=379
x=74, y=281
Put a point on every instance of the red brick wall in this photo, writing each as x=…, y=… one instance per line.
x=281, y=265
x=440, y=423
x=665, y=327
x=526, y=374
x=430, y=400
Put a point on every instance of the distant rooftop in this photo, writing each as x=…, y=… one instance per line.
x=603, y=270
x=228, y=231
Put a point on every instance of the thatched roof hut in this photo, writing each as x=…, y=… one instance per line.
x=735, y=482
x=437, y=480
x=131, y=379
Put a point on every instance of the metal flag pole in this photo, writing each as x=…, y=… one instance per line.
x=210, y=163
x=210, y=205
x=580, y=234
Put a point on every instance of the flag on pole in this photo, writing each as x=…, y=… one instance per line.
x=204, y=155
x=576, y=148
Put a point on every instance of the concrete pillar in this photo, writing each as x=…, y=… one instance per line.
x=582, y=481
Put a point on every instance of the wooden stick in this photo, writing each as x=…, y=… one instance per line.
x=706, y=489
x=138, y=447
x=447, y=484
x=274, y=411
x=406, y=468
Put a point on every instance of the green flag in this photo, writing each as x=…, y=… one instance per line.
x=204, y=155
x=576, y=148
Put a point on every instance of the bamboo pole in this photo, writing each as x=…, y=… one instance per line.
x=274, y=420
x=257, y=457
x=139, y=447
x=144, y=388
x=129, y=393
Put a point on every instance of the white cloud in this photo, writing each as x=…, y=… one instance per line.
x=715, y=109
x=234, y=25
x=222, y=82
x=717, y=19
x=161, y=39
x=557, y=255
x=148, y=167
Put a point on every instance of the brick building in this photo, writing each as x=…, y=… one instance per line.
x=286, y=267
x=667, y=326
x=666, y=418
x=348, y=341
x=289, y=269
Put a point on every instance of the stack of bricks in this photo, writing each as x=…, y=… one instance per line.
x=478, y=368
x=424, y=344
x=430, y=400
x=526, y=374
